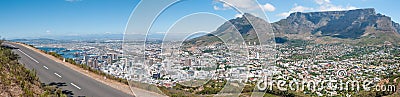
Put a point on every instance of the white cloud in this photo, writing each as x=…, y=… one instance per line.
x=160, y=32
x=299, y=8
x=238, y=15
x=48, y=32
x=268, y=7
x=326, y=5
x=322, y=1
x=244, y=4
x=216, y=7
x=331, y=7
x=296, y=8
x=224, y=7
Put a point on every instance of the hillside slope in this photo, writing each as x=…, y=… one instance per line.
x=18, y=81
x=358, y=25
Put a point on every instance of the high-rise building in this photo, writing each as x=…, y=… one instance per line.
x=95, y=64
x=151, y=62
x=188, y=62
x=113, y=56
x=90, y=62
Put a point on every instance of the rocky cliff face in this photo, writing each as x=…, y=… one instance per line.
x=351, y=24
x=342, y=24
x=397, y=26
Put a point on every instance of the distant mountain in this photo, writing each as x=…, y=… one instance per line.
x=341, y=24
x=107, y=36
x=239, y=25
x=352, y=24
x=87, y=37
x=93, y=37
x=38, y=39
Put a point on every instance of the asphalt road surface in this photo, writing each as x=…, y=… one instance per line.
x=53, y=73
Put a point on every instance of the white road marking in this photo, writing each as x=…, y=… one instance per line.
x=28, y=56
x=58, y=75
x=45, y=67
x=12, y=45
x=75, y=86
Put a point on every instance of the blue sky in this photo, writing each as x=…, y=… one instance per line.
x=50, y=18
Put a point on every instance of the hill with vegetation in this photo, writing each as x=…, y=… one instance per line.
x=18, y=81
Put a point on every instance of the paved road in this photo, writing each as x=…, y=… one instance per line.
x=72, y=82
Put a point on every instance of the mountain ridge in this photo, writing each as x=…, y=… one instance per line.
x=349, y=24
x=336, y=23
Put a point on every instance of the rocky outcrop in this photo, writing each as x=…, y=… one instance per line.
x=351, y=24
x=342, y=24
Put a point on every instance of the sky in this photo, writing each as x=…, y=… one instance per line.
x=52, y=18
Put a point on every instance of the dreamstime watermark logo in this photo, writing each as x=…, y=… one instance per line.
x=341, y=73
x=314, y=85
x=329, y=86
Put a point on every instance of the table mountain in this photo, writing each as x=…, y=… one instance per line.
x=342, y=24
x=351, y=24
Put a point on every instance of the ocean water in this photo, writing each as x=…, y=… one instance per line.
x=63, y=52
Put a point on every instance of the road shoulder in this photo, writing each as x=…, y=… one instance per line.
x=114, y=84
